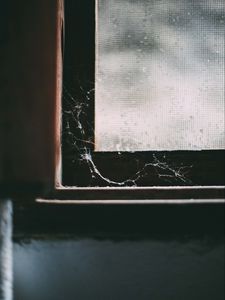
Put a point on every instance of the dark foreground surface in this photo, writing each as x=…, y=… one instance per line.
x=120, y=252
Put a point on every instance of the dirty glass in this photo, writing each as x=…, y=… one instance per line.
x=142, y=78
x=159, y=75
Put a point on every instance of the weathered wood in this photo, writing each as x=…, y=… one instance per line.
x=30, y=93
x=6, y=255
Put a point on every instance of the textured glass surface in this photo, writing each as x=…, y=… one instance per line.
x=159, y=75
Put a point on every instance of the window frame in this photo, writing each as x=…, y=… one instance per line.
x=37, y=170
x=120, y=195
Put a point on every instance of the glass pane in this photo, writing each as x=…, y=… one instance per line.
x=159, y=81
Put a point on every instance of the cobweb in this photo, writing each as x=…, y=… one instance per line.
x=78, y=135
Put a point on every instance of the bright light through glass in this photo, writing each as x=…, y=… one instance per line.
x=159, y=75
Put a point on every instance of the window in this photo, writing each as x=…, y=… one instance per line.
x=189, y=171
x=30, y=51
x=89, y=169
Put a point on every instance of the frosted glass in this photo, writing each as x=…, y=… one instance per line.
x=159, y=82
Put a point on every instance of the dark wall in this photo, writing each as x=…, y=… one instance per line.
x=126, y=269
x=29, y=62
x=120, y=252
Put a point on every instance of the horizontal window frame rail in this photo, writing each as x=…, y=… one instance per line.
x=131, y=202
x=136, y=195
